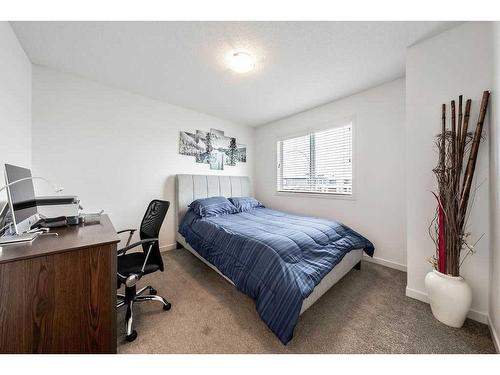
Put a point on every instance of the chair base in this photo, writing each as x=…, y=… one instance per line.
x=132, y=296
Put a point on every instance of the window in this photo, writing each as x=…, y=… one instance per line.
x=319, y=162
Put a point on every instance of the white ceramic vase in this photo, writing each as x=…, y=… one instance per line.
x=450, y=297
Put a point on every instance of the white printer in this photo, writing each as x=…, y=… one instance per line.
x=53, y=206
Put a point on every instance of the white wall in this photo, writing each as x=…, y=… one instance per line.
x=494, y=140
x=438, y=70
x=117, y=150
x=15, y=101
x=378, y=212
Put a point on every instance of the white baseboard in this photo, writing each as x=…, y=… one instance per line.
x=386, y=263
x=478, y=316
x=494, y=335
x=172, y=246
x=422, y=296
x=417, y=294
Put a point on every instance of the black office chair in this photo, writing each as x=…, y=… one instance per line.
x=131, y=267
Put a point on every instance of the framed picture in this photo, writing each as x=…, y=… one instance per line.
x=213, y=148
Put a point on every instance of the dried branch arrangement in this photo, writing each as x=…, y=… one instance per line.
x=455, y=146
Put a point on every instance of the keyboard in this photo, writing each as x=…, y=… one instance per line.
x=17, y=238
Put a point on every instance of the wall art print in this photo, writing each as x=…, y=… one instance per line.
x=213, y=148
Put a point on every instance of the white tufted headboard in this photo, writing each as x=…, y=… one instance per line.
x=191, y=186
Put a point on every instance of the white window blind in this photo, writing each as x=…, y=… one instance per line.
x=319, y=162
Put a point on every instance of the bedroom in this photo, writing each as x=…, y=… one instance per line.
x=286, y=170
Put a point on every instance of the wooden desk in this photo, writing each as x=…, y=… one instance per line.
x=58, y=294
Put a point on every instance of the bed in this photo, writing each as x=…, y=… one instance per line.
x=267, y=237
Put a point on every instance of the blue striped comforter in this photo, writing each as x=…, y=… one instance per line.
x=274, y=257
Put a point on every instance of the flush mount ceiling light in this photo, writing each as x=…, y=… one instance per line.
x=241, y=62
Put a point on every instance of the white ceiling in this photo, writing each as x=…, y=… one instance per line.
x=299, y=64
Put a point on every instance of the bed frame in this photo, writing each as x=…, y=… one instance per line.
x=190, y=187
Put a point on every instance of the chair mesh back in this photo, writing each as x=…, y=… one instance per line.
x=150, y=228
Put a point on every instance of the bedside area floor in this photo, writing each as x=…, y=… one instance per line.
x=366, y=312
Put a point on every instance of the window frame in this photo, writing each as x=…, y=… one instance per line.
x=332, y=124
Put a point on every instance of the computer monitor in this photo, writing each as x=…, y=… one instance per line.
x=21, y=197
x=4, y=209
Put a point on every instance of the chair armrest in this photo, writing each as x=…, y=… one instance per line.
x=132, y=279
x=126, y=230
x=135, y=244
x=132, y=231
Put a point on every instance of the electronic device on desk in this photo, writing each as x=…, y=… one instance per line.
x=58, y=206
x=53, y=222
x=13, y=239
x=27, y=222
x=21, y=196
x=4, y=223
x=90, y=218
x=22, y=205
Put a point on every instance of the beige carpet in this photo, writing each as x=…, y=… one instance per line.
x=366, y=312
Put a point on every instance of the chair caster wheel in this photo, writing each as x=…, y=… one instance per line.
x=132, y=336
x=153, y=291
x=167, y=306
